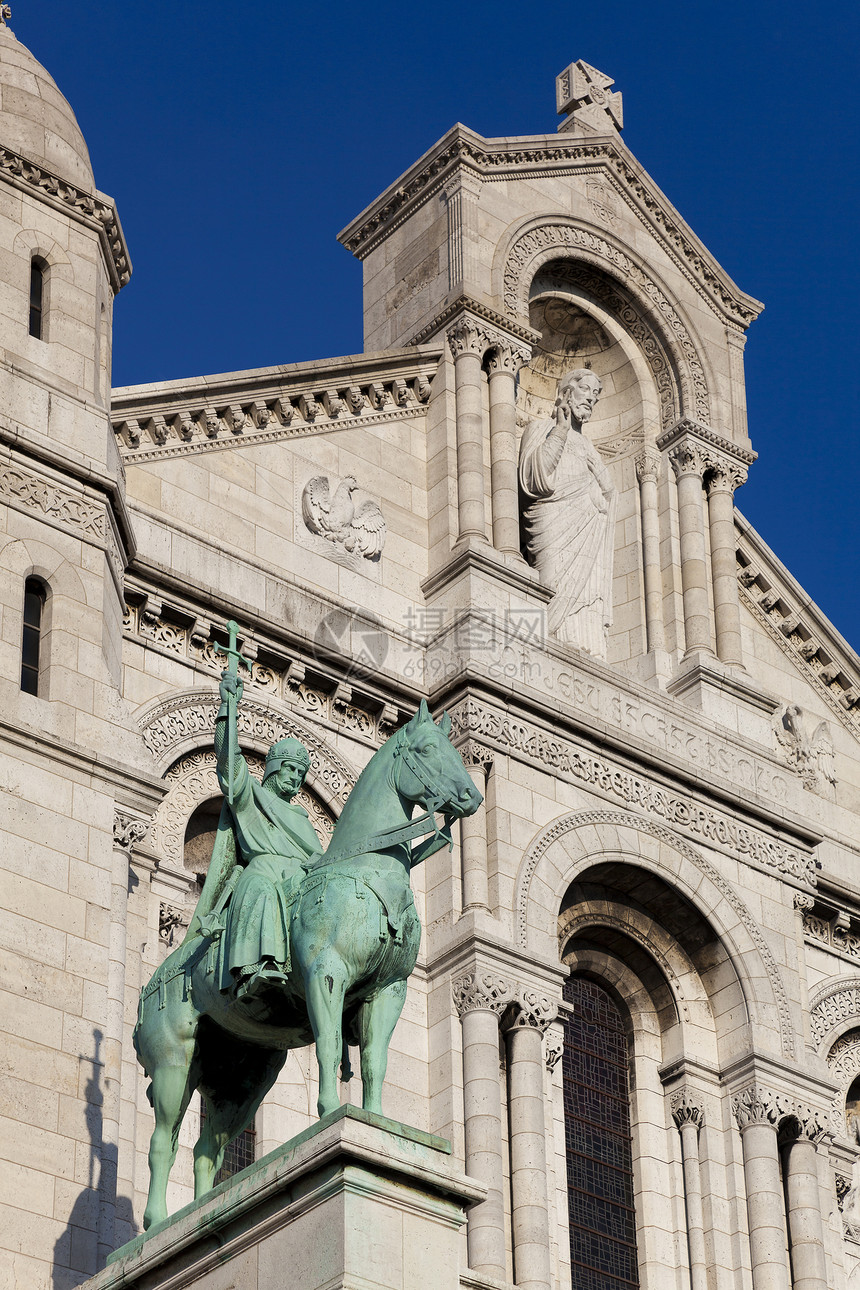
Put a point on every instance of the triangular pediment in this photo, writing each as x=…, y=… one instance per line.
x=605, y=160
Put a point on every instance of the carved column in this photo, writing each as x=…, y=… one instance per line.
x=647, y=472
x=468, y=344
x=805, y=1232
x=689, y=1115
x=688, y=463
x=527, y=1131
x=480, y=999
x=504, y=363
x=722, y=479
x=757, y=1115
x=473, y=831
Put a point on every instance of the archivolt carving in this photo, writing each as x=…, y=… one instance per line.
x=193, y=781
x=172, y=727
x=557, y=239
x=834, y=1005
x=570, y=823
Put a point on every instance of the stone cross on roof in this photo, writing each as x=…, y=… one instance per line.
x=582, y=92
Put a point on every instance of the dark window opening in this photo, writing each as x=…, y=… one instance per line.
x=597, y=1136
x=37, y=284
x=34, y=603
x=239, y=1154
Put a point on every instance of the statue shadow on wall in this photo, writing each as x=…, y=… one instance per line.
x=90, y=1235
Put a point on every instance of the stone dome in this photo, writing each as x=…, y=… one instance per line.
x=35, y=119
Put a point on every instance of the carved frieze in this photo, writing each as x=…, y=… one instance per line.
x=835, y=932
x=280, y=676
x=807, y=745
x=264, y=416
x=837, y=1006
x=563, y=757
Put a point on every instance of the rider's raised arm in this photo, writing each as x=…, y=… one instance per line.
x=241, y=775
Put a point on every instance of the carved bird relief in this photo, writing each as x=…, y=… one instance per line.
x=360, y=529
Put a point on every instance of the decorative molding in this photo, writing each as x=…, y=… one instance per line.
x=718, y=455
x=502, y=326
x=176, y=631
x=128, y=830
x=562, y=756
x=500, y=159
x=87, y=519
x=574, y=920
x=569, y=822
x=687, y=1108
x=626, y=307
x=182, y=723
x=91, y=210
x=544, y=242
x=195, y=421
x=475, y=754
x=833, y=673
x=834, y=1006
x=482, y=992
x=834, y=932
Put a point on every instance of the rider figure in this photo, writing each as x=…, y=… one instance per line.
x=274, y=835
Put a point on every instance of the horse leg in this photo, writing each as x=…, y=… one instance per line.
x=232, y=1104
x=377, y=1018
x=170, y=1093
x=325, y=990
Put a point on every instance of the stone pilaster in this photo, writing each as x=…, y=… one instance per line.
x=722, y=478
x=757, y=1113
x=468, y=342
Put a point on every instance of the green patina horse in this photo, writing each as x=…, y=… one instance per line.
x=354, y=936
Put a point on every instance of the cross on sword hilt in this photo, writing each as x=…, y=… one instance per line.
x=233, y=655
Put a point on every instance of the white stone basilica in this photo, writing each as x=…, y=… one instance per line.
x=636, y=1011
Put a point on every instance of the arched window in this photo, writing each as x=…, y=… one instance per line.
x=38, y=273
x=597, y=1135
x=31, y=636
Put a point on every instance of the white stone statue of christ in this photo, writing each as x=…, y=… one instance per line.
x=569, y=503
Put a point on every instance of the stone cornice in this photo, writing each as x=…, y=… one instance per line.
x=466, y=305
x=803, y=633
x=716, y=450
x=499, y=159
x=213, y=413
x=94, y=210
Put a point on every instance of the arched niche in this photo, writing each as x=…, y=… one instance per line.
x=579, y=329
x=627, y=853
x=629, y=291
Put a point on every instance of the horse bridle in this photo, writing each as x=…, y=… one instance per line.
x=422, y=824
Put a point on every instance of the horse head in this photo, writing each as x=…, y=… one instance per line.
x=428, y=769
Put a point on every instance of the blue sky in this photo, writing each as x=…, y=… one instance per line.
x=239, y=139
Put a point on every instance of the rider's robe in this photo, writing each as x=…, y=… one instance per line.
x=274, y=837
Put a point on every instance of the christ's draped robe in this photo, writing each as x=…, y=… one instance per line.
x=569, y=529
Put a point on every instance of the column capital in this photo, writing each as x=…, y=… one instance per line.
x=532, y=1011
x=722, y=474
x=463, y=181
x=687, y=1108
x=468, y=336
x=648, y=465
x=755, y=1105
x=128, y=830
x=696, y=448
x=688, y=458
x=482, y=992
x=476, y=756
x=508, y=356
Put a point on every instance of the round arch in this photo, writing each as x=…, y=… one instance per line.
x=574, y=843
x=624, y=280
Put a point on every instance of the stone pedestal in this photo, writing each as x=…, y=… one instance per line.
x=357, y=1202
